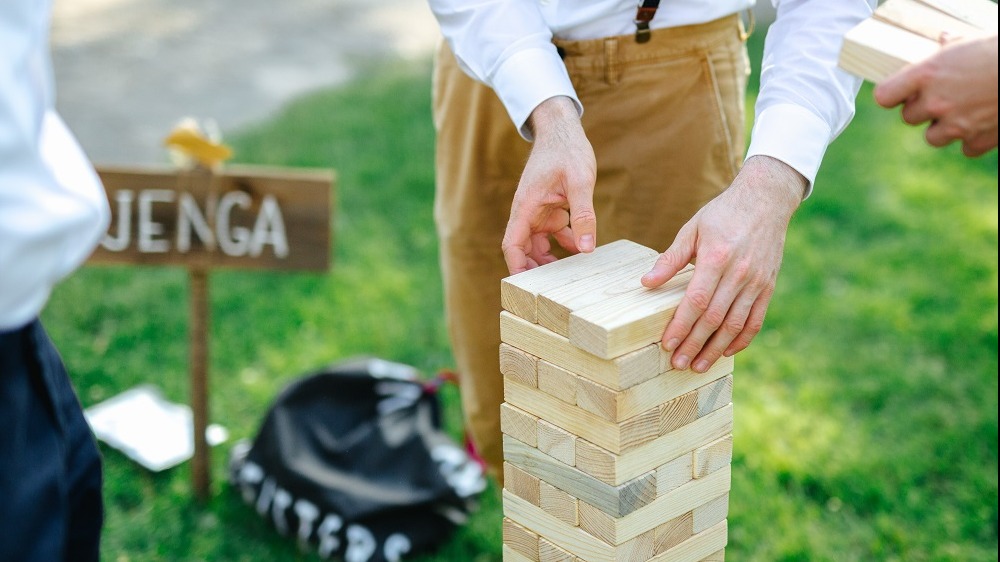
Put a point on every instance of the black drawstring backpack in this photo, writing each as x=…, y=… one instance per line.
x=353, y=462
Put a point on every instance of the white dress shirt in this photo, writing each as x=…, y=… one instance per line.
x=53, y=210
x=805, y=101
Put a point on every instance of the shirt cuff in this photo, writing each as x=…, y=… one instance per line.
x=794, y=135
x=527, y=79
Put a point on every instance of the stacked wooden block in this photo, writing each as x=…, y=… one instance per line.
x=609, y=454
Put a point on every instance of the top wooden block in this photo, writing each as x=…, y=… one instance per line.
x=903, y=32
x=519, y=293
x=596, y=300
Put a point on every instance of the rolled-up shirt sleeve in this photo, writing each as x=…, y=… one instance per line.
x=508, y=47
x=805, y=100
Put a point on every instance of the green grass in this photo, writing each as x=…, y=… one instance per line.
x=866, y=410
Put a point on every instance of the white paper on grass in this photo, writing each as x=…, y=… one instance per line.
x=148, y=428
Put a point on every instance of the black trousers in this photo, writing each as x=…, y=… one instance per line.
x=50, y=468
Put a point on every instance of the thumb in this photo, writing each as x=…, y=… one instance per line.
x=678, y=255
x=583, y=221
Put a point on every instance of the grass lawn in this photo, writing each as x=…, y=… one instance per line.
x=866, y=410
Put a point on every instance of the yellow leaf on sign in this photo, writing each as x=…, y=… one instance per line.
x=194, y=144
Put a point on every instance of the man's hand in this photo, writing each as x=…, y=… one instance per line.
x=555, y=195
x=956, y=90
x=738, y=239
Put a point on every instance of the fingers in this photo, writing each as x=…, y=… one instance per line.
x=692, y=323
x=896, y=89
x=516, y=246
x=678, y=255
x=941, y=134
x=980, y=144
x=915, y=111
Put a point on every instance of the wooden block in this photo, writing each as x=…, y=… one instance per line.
x=712, y=457
x=672, y=533
x=569, y=538
x=717, y=556
x=710, y=513
x=559, y=504
x=555, y=305
x=548, y=552
x=615, y=500
x=518, y=365
x=618, y=530
x=618, y=373
x=875, y=50
x=678, y=412
x=521, y=484
x=628, y=321
x=639, y=549
x=520, y=540
x=715, y=395
x=618, y=405
x=924, y=20
x=980, y=13
x=558, y=382
x=673, y=474
x=617, y=437
x=616, y=469
x=519, y=424
x=698, y=546
x=573, y=539
x=511, y=555
x=556, y=442
x=518, y=293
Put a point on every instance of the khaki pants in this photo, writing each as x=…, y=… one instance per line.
x=666, y=121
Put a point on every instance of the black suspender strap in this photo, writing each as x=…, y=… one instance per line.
x=643, y=15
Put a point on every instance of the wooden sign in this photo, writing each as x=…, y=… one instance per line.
x=244, y=216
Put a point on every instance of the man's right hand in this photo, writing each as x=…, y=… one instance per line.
x=555, y=195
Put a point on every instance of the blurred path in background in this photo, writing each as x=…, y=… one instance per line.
x=127, y=70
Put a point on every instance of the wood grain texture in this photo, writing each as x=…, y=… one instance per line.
x=549, y=552
x=617, y=437
x=556, y=304
x=715, y=395
x=518, y=293
x=675, y=473
x=617, y=530
x=698, y=546
x=519, y=424
x=710, y=513
x=521, y=484
x=617, y=373
x=520, y=540
x=925, y=20
x=717, y=556
x=556, y=442
x=511, y=555
x=628, y=321
x=618, y=468
x=518, y=365
x=615, y=500
x=559, y=504
x=712, y=457
x=980, y=13
x=618, y=405
x=875, y=50
x=673, y=532
x=574, y=539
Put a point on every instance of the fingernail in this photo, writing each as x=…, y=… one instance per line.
x=701, y=366
x=587, y=243
x=672, y=344
x=681, y=362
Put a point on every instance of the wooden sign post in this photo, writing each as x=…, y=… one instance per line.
x=240, y=217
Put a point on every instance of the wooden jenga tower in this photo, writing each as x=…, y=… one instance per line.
x=610, y=456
